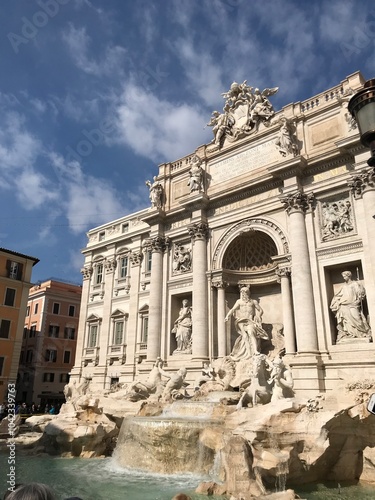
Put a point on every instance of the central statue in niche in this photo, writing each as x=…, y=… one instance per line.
x=248, y=323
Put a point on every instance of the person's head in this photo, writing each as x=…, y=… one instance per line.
x=347, y=275
x=32, y=491
x=245, y=292
x=185, y=302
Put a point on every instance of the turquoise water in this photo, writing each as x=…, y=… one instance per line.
x=103, y=479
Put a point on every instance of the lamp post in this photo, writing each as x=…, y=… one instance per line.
x=362, y=108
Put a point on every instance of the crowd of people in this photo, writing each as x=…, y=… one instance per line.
x=26, y=411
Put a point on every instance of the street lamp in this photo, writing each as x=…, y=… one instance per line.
x=362, y=108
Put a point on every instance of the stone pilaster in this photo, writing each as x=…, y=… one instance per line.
x=363, y=186
x=157, y=246
x=283, y=275
x=304, y=310
x=135, y=258
x=199, y=233
x=221, y=285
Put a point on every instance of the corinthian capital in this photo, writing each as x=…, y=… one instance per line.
x=298, y=202
x=282, y=272
x=136, y=258
x=362, y=181
x=86, y=272
x=198, y=231
x=110, y=265
x=157, y=244
x=217, y=283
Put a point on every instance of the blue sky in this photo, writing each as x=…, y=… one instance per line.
x=94, y=94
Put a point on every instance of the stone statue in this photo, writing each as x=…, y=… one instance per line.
x=347, y=305
x=181, y=259
x=285, y=141
x=208, y=373
x=156, y=193
x=195, y=181
x=245, y=108
x=175, y=383
x=282, y=380
x=248, y=324
x=336, y=219
x=183, y=329
x=153, y=385
x=259, y=390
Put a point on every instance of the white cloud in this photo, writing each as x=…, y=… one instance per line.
x=34, y=190
x=79, y=44
x=157, y=129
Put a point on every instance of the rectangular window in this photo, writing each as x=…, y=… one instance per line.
x=66, y=356
x=148, y=262
x=99, y=274
x=48, y=377
x=22, y=356
x=29, y=356
x=36, y=308
x=125, y=227
x=123, y=267
x=10, y=295
x=4, y=328
x=26, y=377
x=69, y=333
x=53, y=331
x=102, y=236
x=1, y=365
x=25, y=330
x=93, y=334
x=64, y=377
x=51, y=355
x=56, y=308
x=72, y=311
x=118, y=332
x=14, y=270
x=28, y=311
x=144, y=329
x=32, y=331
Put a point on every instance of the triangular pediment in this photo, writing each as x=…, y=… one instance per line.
x=93, y=317
x=117, y=313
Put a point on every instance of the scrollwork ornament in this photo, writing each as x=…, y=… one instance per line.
x=136, y=258
x=110, y=265
x=87, y=272
x=362, y=181
x=219, y=284
x=283, y=272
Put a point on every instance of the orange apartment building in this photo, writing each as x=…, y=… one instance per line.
x=15, y=283
x=49, y=342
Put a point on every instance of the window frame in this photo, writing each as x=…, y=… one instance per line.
x=8, y=295
x=72, y=308
x=7, y=322
x=56, y=305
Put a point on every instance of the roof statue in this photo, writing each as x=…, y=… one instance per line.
x=244, y=110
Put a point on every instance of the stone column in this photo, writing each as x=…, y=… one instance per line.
x=304, y=310
x=199, y=233
x=363, y=185
x=87, y=272
x=156, y=246
x=135, y=258
x=286, y=300
x=221, y=312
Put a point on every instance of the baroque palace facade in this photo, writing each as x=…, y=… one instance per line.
x=281, y=202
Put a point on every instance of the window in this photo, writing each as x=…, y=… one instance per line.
x=64, y=377
x=10, y=295
x=1, y=365
x=29, y=355
x=4, y=328
x=53, y=331
x=51, y=355
x=69, y=333
x=36, y=308
x=148, y=262
x=56, y=308
x=48, y=377
x=118, y=332
x=99, y=274
x=93, y=334
x=22, y=355
x=25, y=330
x=102, y=236
x=66, y=356
x=28, y=311
x=14, y=270
x=144, y=334
x=72, y=311
x=26, y=377
x=123, y=267
x=32, y=331
x=125, y=228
